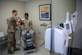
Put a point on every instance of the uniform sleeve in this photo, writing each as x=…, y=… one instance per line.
x=30, y=21
x=9, y=22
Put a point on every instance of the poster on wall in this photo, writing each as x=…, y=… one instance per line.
x=45, y=12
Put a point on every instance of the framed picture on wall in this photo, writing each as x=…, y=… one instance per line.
x=45, y=12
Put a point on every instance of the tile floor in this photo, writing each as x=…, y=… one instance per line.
x=40, y=51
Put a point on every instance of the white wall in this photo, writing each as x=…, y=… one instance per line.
x=59, y=9
x=32, y=7
x=6, y=8
x=77, y=40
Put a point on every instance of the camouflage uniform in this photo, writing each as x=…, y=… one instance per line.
x=11, y=33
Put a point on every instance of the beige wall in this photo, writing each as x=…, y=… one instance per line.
x=6, y=8
x=32, y=7
x=59, y=9
x=77, y=39
x=0, y=18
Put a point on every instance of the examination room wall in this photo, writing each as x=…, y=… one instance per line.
x=77, y=40
x=32, y=7
x=6, y=8
x=59, y=9
x=0, y=17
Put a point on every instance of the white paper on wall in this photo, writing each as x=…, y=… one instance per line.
x=74, y=20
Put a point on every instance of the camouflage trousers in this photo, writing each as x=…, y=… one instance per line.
x=11, y=40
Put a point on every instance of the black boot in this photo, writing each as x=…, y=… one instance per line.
x=10, y=52
x=16, y=49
